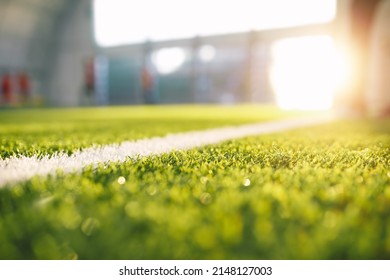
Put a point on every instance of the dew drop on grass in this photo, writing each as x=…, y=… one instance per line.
x=72, y=256
x=246, y=182
x=121, y=180
x=203, y=180
x=151, y=191
x=89, y=226
x=205, y=198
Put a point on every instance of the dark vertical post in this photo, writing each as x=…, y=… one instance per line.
x=196, y=42
x=148, y=76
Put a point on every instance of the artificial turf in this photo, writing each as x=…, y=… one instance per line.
x=314, y=193
x=47, y=131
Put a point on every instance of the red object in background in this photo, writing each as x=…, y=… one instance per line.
x=90, y=75
x=147, y=84
x=146, y=79
x=6, y=88
x=24, y=85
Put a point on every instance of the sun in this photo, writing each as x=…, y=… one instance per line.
x=307, y=72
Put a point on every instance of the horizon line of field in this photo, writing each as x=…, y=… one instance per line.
x=21, y=168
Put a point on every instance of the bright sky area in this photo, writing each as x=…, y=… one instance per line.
x=120, y=22
x=305, y=72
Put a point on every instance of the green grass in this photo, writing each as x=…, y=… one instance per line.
x=46, y=131
x=315, y=193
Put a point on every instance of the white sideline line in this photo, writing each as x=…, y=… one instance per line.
x=21, y=168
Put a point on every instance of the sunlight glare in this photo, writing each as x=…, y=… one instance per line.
x=168, y=60
x=207, y=53
x=307, y=72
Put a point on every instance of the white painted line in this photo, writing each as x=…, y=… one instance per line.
x=17, y=169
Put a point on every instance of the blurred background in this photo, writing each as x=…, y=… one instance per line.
x=298, y=54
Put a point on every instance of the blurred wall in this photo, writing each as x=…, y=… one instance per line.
x=237, y=72
x=52, y=40
x=28, y=29
x=75, y=46
x=378, y=93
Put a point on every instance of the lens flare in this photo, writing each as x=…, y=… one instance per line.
x=306, y=72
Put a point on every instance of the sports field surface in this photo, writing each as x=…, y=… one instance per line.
x=319, y=192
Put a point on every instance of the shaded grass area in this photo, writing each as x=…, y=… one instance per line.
x=47, y=131
x=315, y=193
